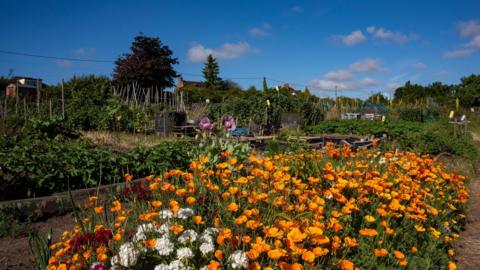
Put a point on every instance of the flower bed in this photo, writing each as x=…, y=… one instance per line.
x=332, y=209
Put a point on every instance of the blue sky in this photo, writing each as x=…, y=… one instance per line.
x=359, y=47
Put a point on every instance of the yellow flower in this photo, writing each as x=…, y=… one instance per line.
x=369, y=219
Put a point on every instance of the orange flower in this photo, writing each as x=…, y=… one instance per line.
x=214, y=265
x=308, y=256
x=368, y=232
x=276, y=254
x=150, y=243
x=233, y=207
x=380, y=252
x=98, y=209
x=346, y=265
x=117, y=206
x=219, y=254
x=198, y=220
x=156, y=204
x=176, y=229
x=191, y=200
x=295, y=235
x=399, y=255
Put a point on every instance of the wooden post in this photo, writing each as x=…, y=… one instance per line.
x=63, y=101
x=24, y=109
x=38, y=98
x=17, y=93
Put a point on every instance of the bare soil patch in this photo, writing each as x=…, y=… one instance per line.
x=15, y=251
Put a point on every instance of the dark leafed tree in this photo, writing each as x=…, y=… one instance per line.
x=211, y=71
x=149, y=64
x=265, y=86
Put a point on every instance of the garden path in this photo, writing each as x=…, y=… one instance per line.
x=468, y=245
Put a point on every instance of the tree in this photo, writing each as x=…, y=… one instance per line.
x=265, y=86
x=377, y=98
x=210, y=72
x=150, y=64
x=468, y=91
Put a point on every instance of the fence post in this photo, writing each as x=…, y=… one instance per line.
x=63, y=102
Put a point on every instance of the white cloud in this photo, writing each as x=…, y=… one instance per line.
x=419, y=65
x=388, y=35
x=320, y=84
x=351, y=39
x=470, y=29
x=367, y=65
x=338, y=75
x=440, y=73
x=296, y=9
x=64, y=63
x=474, y=43
x=199, y=53
x=84, y=51
x=458, y=53
x=343, y=79
x=369, y=82
x=393, y=85
x=260, y=31
x=327, y=85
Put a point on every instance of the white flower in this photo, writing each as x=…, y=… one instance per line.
x=206, y=238
x=162, y=267
x=165, y=214
x=188, y=236
x=127, y=256
x=164, y=246
x=204, y=268
x=238, y=259
x=164, y=228
x=211, y=230
x=184, y=253
x=206, y=248
x=184, y=213
x=141, y=230
x=382, y=160
x=177, y=265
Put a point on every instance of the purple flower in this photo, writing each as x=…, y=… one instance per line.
x=98, y=266
x=228, y=122
x=205, y=124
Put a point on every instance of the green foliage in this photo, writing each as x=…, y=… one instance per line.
x=88, y=98
x=418, y=115
x=49, y=128
x=210, y=72
x=377, y=98
x=34, y=166
x=432, y=138
x=253, y=107
x=40, y=247
x=468, y=92
x=9, y=224
x=149, y=64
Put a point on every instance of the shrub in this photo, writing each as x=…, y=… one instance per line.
x=431, y=138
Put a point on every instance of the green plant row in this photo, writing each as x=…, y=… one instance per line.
x=433, y=138
x=33, y=166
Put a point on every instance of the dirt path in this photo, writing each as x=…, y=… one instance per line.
x=15, y=252
x=468, y=245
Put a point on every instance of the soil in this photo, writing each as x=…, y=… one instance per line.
x=468, y=245
x=15, y=251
